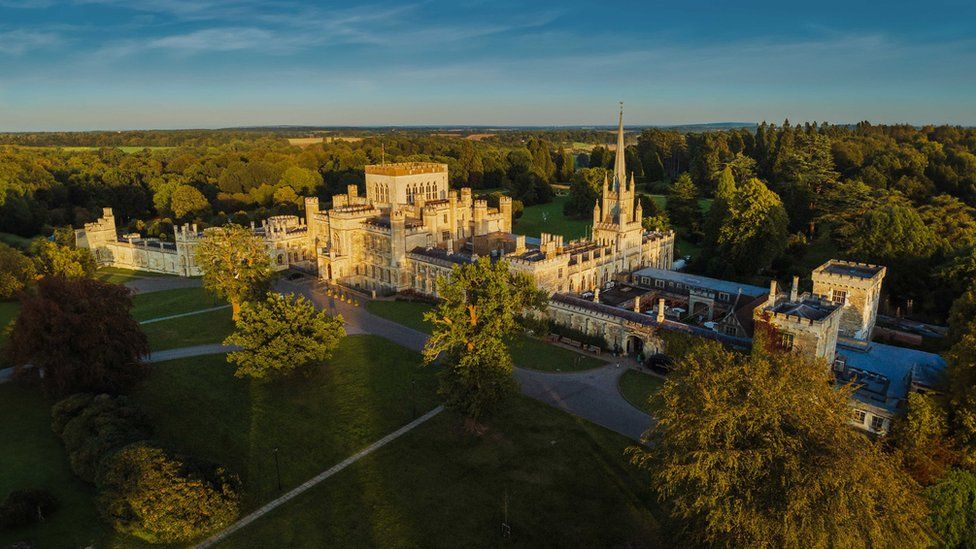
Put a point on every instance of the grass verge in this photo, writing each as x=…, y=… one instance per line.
x=637, y=388
x=187, y=331
x=116, y=275
x=172, y=302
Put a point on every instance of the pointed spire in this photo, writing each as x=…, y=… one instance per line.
x=631, y=186
x=619, y=168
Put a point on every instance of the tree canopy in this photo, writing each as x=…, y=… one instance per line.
x=235, y=263
x=481, y=306
x=756, y=451
x=282, y=334
x=80, y=333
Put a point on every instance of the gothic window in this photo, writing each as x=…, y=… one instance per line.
x=840, y=296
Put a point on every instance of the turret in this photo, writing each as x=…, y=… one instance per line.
x=480, y=213
x=398, y=241
x=505, y=206
x=638, y=213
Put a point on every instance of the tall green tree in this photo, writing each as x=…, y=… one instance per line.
x=186, y=201
x=755, y=230
x=953, y=504
x=481, y=306
x=682, y=203
x=236, y=265
x=584, y=191
x=718, y=212
x=16, y=271
x=921, y=437
x=756, y=451
x=53, y=259
x=281, y=335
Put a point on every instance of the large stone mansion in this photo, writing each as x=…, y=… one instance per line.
x=409, y=228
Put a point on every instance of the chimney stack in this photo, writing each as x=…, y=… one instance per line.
x=660, y=310
x=637, y=304
x=794, y=290
x=771, y=300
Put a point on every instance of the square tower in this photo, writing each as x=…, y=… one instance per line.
x=803, y=323
x=405, y=183
x=857, y=288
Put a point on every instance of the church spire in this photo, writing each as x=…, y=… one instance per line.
x=619, y=169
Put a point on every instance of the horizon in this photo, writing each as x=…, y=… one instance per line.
x=108, y=65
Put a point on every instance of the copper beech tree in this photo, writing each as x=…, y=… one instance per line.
x=79, y=333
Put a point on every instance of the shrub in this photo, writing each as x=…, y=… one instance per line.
x=578, y=335
x=93, y=428
x=161, y=498
x=24, y=507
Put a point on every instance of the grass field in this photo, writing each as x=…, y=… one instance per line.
x=187, y=331
x=33, y=458
x=15, y=241
x=121, y=276
x=172, y=302
x=526, y=352
x=637, y=387
x=558, y=481
x=549, y=218
x=8, y=312
x=369, y=388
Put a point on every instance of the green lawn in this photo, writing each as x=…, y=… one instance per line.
x=15, y=241
x=369, y=388
x=637, y=387
x=8, y=312
x=187, y=331
x=532, y=223
x=408, y=313
x=172, y=302
x=32, y=457
x=557, y=480
x=116, y=275
x=527, y=352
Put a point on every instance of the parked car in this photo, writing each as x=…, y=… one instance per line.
x=659, y=363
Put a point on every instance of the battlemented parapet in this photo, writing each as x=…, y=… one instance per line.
x=803, y=323
x=856, y=287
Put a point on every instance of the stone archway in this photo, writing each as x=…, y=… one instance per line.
x=634, y=345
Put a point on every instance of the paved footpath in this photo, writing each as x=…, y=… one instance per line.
x=275, y=503
x=590, y=394
x=187, y=352
x=160, y=283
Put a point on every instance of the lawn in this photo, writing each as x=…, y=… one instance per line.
x=369, y=388
x=408, y=313
x=116, y=275
x=556, y=480
x=15, y=241
x=34, y=458
x=172, y=302
x=527, y=352
x=8, y=312
x=637, y=387
x=549, y=218
x=187, y=331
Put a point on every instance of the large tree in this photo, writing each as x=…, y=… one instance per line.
x=755, y=229
x=281, y=335
x=80, y=333
x=186, y=201
x=961, y=385
x=682, y=203
x=163, y=498
x=236, y=265
x=584, y=191
x=16, y=271
x=756, y=451
x=481, y=308
x=54, y=259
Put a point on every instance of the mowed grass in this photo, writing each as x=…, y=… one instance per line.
x=32, y=457
x=172, y=302
x=556, y=480
x=549, y=218
x=637, y=387
x=369, y=388
x=527, y=352
x=116, y=275
x=187, y=331
x=8, y=313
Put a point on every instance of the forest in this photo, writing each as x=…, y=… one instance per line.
x=783, y=197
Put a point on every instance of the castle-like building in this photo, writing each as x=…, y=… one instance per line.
x=410, y=228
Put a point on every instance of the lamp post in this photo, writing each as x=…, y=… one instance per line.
x=413, y=398
x=277, y=468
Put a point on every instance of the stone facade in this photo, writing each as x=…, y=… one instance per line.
x=286, y=238
x=857, y=288
x=803, y=323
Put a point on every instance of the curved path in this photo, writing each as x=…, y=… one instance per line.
x=590, y=394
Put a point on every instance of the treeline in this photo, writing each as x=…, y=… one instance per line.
x=899, y=196
x=153, y=189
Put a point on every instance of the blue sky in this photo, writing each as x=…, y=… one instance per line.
x=118, y=64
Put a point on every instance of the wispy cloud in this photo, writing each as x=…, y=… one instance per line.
x=20, y=41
